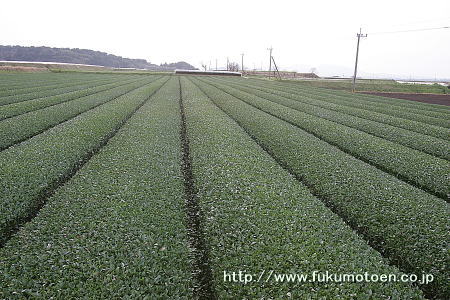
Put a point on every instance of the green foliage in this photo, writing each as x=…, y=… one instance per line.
x=45, y=91
x=288, y=178
x=375, y=86
x=415, y=140
x=409, y=110
x=22, y=127
x=407, y=224
x=32, y=169
x=62, y=82
x=78, y=56
x=116, y=229
x=14, y=109
x=326, y=101
x=411, y=165
x=257, y=217
x=23, y=81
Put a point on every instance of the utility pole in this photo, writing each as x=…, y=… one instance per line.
x=216, y=64
x=358, y=35
x=242, y=62
x=228, y=64
x=270, y=60
x=276, y=68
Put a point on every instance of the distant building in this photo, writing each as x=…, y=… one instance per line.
x=199, y=72
x=283, y=74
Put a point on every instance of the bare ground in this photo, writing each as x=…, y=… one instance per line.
x=22, y=69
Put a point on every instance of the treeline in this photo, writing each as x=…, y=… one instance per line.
x=82, y=56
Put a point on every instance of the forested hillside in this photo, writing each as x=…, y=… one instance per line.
x=81, y=56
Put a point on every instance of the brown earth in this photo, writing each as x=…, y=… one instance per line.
x=426, y=98
x=22, y=69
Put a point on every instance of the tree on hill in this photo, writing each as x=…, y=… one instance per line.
x=81, y=56
x=179, y=65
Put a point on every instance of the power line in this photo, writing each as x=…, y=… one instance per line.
x=422, y=21
x=411, y=30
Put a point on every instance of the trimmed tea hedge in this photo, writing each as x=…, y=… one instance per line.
x=327, y=103
x=396, y=106
x=406, y=224
x=257, y=217
x=415, y=140
x=408, y=164
x=48, y=86
x=44, y=91
x=14, y=109
x=22, y=127
x=31, y=170
x=117, y=228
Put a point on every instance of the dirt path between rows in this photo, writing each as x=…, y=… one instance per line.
x=426, y=98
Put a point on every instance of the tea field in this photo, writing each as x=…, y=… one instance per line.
x=163, y=186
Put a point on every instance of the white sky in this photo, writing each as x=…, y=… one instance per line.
x=304, y=34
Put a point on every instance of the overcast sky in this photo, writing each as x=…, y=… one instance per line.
x=304, y=34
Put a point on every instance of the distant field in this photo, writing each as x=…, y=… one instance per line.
x=33, y=67
x=376, y=86
x=181, y=187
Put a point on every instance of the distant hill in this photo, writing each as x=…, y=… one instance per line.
x=82, y=56
x=179, y=65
